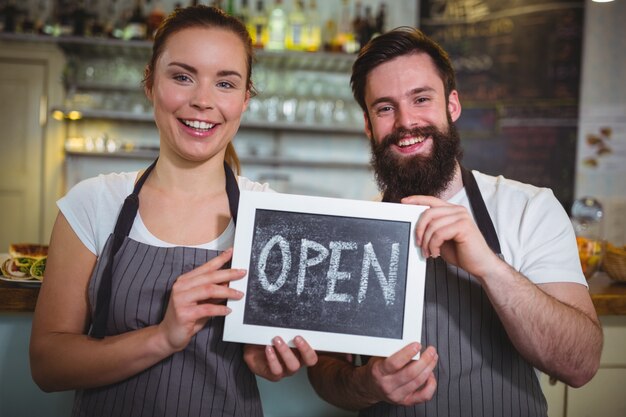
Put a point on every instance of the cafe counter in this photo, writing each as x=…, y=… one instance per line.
x=609, y=297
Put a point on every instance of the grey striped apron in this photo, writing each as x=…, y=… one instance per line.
x=208, y=377
x=480, y=373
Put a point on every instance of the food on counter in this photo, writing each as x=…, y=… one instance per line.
x=590, y=253
x=26, y=261
x=615, y=262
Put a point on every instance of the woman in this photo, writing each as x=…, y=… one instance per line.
x=131, y=310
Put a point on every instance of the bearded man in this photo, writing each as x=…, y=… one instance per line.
x=505, y=296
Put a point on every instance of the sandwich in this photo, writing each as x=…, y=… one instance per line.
x=26, y=261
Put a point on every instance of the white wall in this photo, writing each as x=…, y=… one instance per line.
x=603, y=105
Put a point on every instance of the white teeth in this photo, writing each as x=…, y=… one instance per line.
x=410, y=141
x=196, y=124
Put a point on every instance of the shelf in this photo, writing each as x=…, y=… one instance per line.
x=115, y=115
x=244, y=159
x=105, y=47
x=119, y=115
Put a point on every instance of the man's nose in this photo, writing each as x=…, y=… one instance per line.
x=405, y=118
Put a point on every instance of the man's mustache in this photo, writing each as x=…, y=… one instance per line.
x=397, y=134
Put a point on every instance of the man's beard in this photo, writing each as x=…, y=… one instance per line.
x=400, y=176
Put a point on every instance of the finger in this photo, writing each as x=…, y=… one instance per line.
x=424, y=200
x=284, y=352
x=437, y=232
x=203, y=311
x=308, y=355
x=398, y=360
x=415, y=375
x=221, y=276
x=185, y=294
x=212, y=265
x=423, y=393
x=274, y=365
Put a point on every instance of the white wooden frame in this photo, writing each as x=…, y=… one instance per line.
x=236, y=330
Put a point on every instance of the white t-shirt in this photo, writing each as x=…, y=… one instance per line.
x=91, y=208
x=535, y=233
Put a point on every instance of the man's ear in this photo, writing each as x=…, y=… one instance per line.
x=454, y=105
x=368, y=125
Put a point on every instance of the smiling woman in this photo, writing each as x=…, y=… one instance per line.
x=132, y=297
x=199, y=92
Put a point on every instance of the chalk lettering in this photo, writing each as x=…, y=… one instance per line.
x=286, y=264
x=387, y=285
x=333, y=275
x=333, y=272
x=306, y=262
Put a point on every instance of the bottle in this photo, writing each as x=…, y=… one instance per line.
x=587, y=219
x=368, y=26
x=276, y=27
x=257, y=27
x=381, y=18
x=97, y=22
x=313, y=38
x=358, y=19
x=296, y=37
x=79, y=19
x=136, y=28
x=345, y=40
x=230, y=7
x=113, y=27
x=244, y=13
x=155, y=17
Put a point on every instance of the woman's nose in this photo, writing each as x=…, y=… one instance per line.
x=203, y=99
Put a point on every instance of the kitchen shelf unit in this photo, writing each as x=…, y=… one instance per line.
x=102, y=80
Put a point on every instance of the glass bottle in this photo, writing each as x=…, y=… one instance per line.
x=313, y=38
x=244, y=12
x=296, y=29
x=277, y=27
x=136, y=28
x=155, y=17
x=587, y=219
x=257, y=27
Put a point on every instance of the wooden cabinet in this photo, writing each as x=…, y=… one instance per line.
x=604, y=394
x=30, y=183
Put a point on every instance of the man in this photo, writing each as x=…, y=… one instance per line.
x=504, y=295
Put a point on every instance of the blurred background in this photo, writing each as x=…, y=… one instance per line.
x=541, y=84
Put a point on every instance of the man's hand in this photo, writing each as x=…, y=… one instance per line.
x=450, y=231
x=399, y=379
x=279, y=360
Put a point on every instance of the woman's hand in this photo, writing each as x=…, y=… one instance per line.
x=278, y=360
x=196, y=296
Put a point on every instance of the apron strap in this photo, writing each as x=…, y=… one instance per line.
x=124, y=223
x=232, y=190
x=122, y=228
x=483, y=220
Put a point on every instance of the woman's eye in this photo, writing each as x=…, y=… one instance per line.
x=182, y=78
x=224, y=84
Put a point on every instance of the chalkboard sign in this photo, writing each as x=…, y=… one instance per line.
x=337, y=272
x=518, y=75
